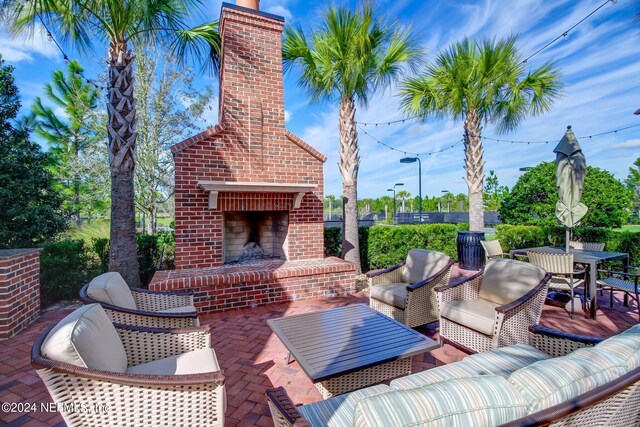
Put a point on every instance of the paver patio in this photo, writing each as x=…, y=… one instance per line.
x=252, y=357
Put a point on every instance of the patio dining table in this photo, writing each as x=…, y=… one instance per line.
x=581, y=256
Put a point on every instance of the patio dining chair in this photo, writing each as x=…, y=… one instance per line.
x=562, y=269
x=101, y=374
x=493, y=249
x=140, y=307
x=404, y=292
x=587, y=246
x=613, y=280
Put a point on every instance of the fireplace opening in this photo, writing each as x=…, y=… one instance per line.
x=250, y=236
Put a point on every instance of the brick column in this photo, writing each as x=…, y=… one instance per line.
x=19, y=290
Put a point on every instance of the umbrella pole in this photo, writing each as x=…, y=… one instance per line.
x=567, y=238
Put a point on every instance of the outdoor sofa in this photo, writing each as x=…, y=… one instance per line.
x=139, y=307
x=557, y=379
x=104, y=374
x=404, y=292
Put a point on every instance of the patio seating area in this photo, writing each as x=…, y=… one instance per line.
x=253, y=358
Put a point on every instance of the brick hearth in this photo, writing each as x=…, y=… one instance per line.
x=260, y=283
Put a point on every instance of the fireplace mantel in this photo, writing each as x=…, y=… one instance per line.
x=214, y=187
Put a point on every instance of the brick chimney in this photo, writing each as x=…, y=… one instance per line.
x=249, y=4
x=251, y=86
x=249, y=170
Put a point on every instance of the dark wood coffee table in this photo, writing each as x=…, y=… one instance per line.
x=348, y=348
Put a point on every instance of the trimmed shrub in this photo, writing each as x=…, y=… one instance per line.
x=101, y=248
x=389, y=245
x=65, y=267
x=149, y=256
x=332, y=241
x=520, y=236
x=333, y=244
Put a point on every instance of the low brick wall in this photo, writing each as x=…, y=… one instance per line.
x=250, y=285
x=19, y=290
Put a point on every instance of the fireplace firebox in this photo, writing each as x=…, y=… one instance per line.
x=255, y=235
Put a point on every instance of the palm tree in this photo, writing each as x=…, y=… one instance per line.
x=351, y=56
x=68, y=138
x=403, y=195
x=119, y=24
x=481, y=82
x=331, y=199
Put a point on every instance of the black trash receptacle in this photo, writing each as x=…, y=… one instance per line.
x=470, y=251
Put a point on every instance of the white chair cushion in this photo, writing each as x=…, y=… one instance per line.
x=192, y=362
x=422, y=264
x=394, y=294
x=553, y=381
x=86, y=338
x=111, y=288
x=506, y=280
x=183, y=309
x=476, y=314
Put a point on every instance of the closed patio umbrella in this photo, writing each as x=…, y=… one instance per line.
x=570, y=170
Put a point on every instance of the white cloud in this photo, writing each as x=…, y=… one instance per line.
x=26, y=47
x=287, y=115
x=628, y=144
x=280, y=10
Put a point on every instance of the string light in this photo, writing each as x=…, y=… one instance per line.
x=449, y=147
x=65, y=57
x=548, y=141
x=525, y=61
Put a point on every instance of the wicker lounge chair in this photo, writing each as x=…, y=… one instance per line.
x=101, y=374
x=494, y=307
x=562, y=269
x=140, y=307
x=404, y=292
x=492, y=249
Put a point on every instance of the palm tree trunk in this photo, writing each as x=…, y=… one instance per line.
x=474, y=165
x=349, y=163
x=122, y=134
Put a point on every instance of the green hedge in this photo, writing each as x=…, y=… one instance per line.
x=333, y=244
x=65, y=267
x=523, y=236
x=382, y=246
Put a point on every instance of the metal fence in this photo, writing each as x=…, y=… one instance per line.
x=490, y=218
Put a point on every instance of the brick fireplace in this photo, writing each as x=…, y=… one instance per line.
x=248, y=192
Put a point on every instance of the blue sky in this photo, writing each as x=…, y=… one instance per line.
x=600, y=62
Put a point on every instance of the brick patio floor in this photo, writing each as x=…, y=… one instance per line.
x=253, y=358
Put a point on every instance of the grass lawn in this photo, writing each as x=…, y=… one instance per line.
x=164, y=221
x=632, y=228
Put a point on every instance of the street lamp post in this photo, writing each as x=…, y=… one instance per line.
x=394, y=199
x=413, y=160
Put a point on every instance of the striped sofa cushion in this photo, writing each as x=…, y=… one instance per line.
x=338, y=411
x=478, y=401
x=436, y=375
x=625, y=345
x=549, y=382
x=504, y=361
